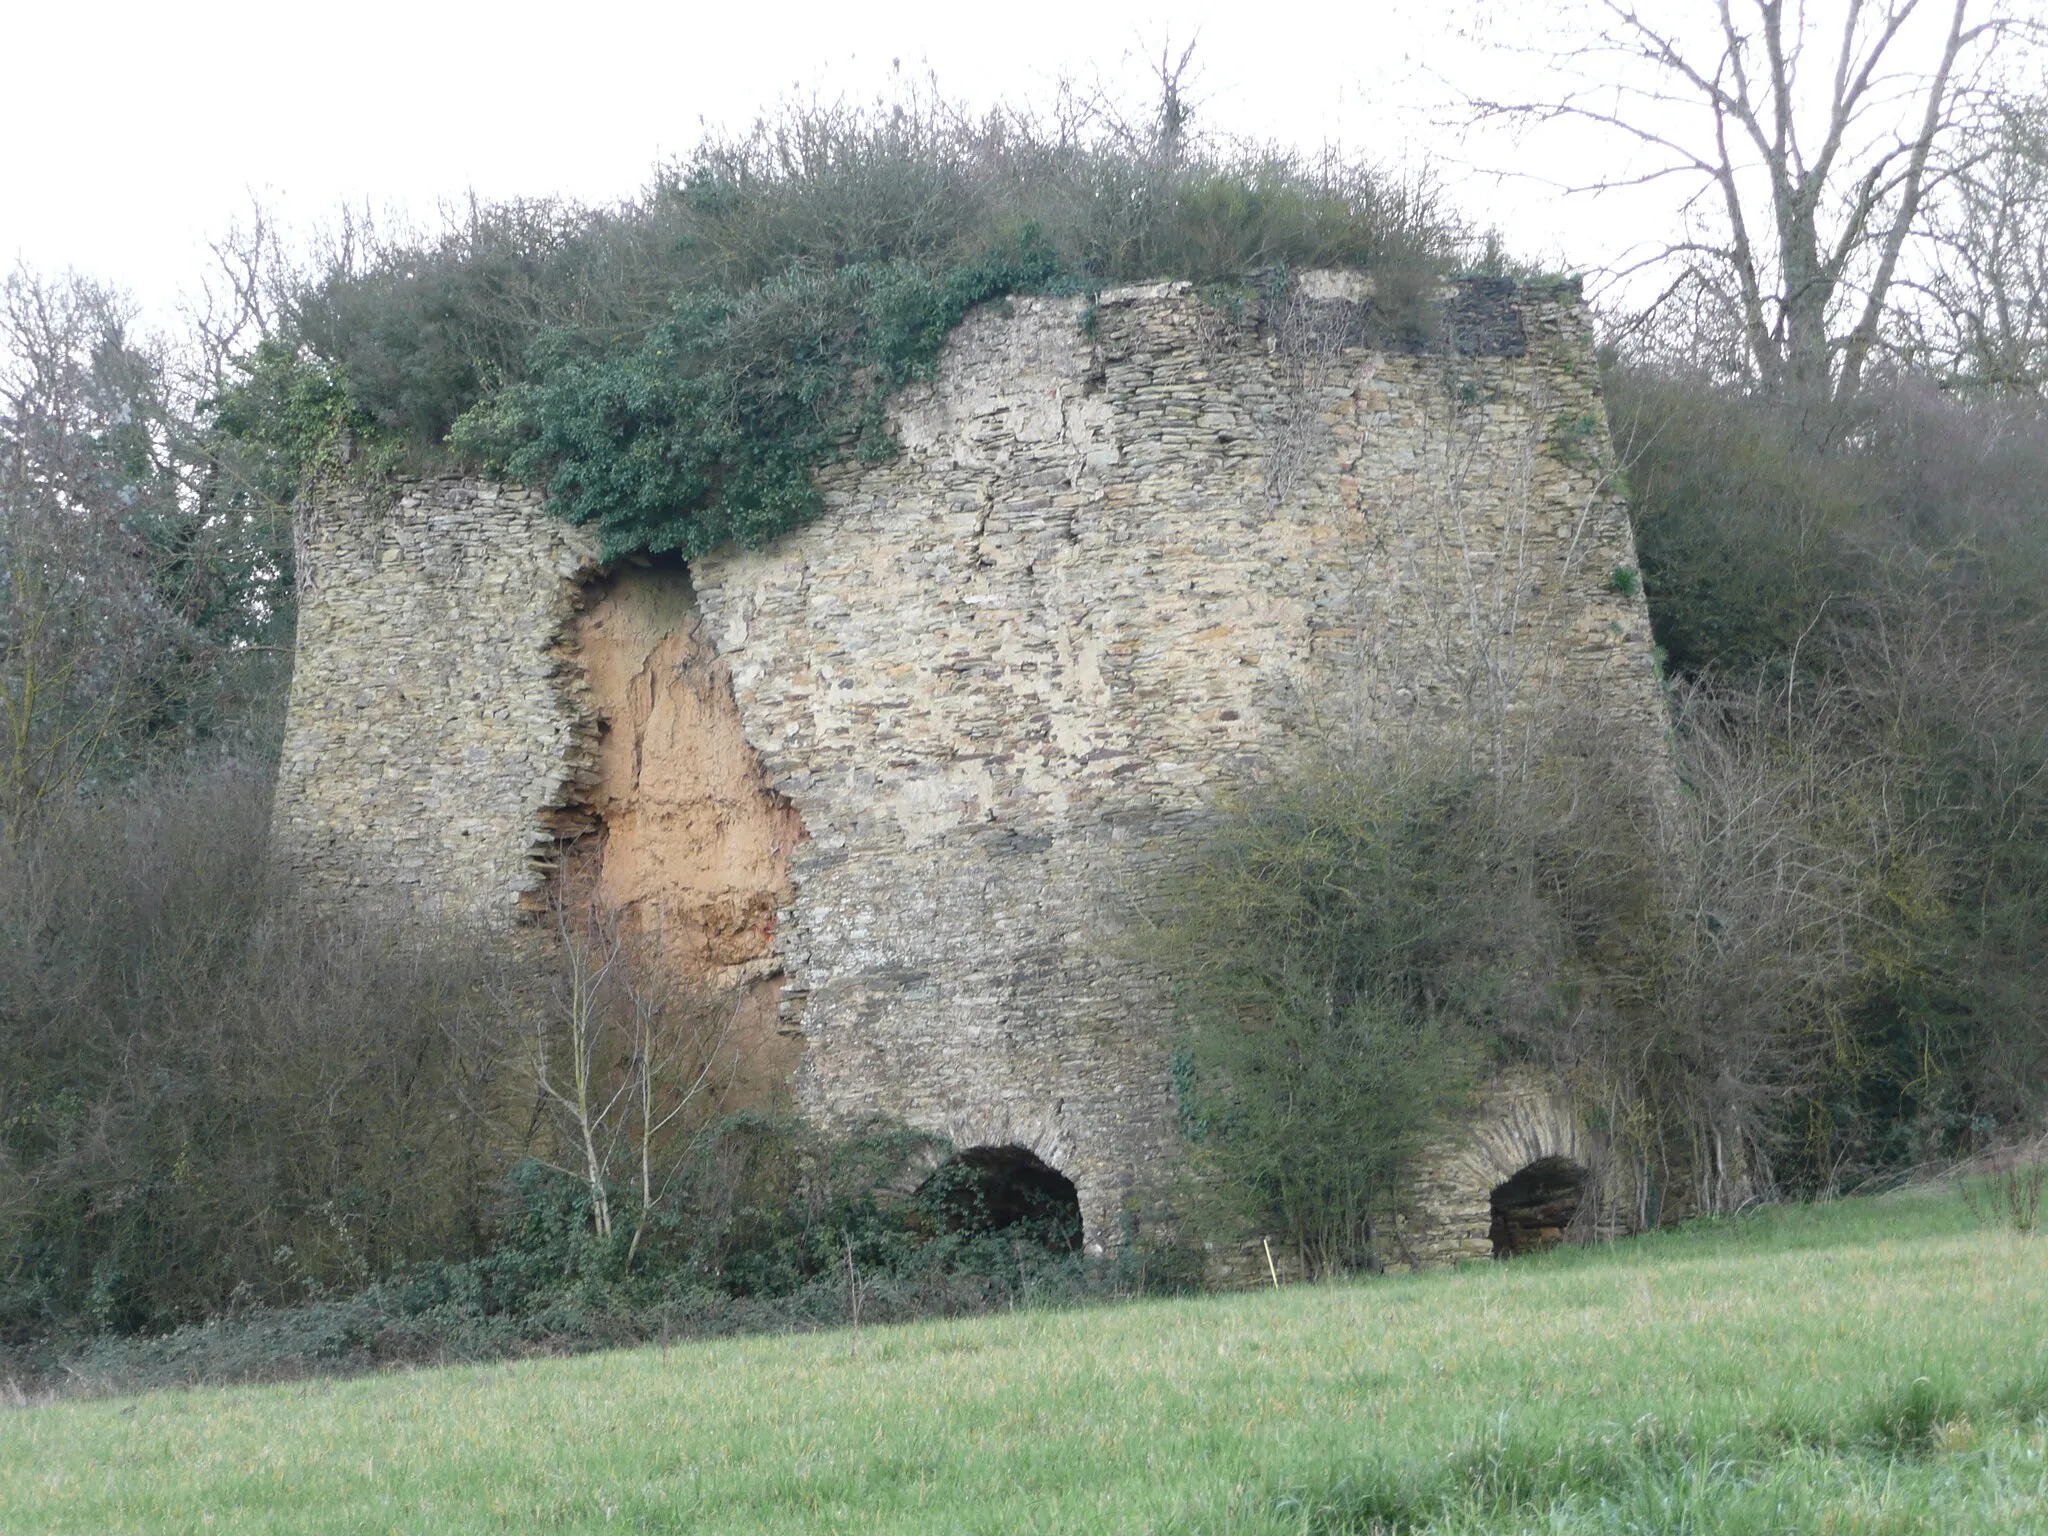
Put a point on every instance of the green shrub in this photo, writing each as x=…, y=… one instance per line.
x=1344, y=945
x=677, y=367
x=295, y=412
x=1743, y=527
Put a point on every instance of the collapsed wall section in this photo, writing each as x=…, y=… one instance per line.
x=475, y=699
x=689, y=843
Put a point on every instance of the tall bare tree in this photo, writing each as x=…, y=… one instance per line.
x=1986, y=320
x=626, y=1062
x=1810, y=138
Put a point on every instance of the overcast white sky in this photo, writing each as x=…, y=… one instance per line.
x=131, y=133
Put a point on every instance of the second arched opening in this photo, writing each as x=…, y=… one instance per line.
x=1534, y=1210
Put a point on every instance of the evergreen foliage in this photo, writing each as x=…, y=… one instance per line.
x=293, y=414
x=677, y=367
x=709, y=430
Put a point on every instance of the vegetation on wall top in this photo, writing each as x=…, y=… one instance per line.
x=675, y=368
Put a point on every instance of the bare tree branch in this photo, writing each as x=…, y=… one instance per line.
x=1814, y=245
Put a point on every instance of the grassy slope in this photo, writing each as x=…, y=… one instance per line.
x=1873, y=1365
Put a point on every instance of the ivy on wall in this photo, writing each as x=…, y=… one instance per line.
x=707, y=430
x=675, y=368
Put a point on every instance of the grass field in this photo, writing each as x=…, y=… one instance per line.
x=1874, y=1366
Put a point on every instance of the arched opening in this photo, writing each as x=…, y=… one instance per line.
x=986, y=1190
x=1532, y=1210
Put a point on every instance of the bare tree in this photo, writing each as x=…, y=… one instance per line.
x=627, y=1060
x=1987, y=321
x=1174, y=108
x=1809, y=138
x=570, y=1042
x=677, y=1067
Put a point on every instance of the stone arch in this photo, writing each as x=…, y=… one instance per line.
x=1524, y=1129
x=1100, y=1178
x=1002, y=1190
x=1537, y=1207
x=1050, y=1139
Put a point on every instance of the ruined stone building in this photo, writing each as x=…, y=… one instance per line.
x=896, y=779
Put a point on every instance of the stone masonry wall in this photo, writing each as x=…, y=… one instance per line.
x=430, y=740
x=1133, y=552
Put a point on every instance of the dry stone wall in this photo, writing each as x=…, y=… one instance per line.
x=1133, y=552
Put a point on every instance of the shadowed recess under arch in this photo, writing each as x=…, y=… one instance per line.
x=985, y=1190
x=1533, y=1210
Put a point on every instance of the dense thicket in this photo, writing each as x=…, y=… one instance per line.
x=210, y=1096
x=141, y=597
x=1880, y=571
x=675, y=368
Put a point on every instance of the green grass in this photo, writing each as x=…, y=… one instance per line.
x=1865, y=1366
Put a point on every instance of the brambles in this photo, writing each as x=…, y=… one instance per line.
x=214, y=1099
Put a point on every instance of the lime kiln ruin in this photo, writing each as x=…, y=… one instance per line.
x=895, y=779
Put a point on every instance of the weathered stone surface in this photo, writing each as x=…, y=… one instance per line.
x=1519, y=1121
x=432, y=733
x=1133, y=552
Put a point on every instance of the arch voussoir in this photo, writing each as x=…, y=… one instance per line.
x=1522, y=1122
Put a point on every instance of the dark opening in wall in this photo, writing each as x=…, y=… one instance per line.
x=1007, y=1190
x=1532, y=1210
